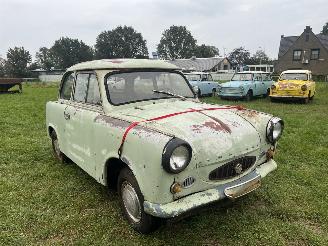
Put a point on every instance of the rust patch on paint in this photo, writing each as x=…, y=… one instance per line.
x=217, y=125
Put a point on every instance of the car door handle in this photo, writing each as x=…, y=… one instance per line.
x=67, y=116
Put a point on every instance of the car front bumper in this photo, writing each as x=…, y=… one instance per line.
x=230, y=190
x=288, y=96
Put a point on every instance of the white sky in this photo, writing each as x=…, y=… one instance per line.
x=223, y=23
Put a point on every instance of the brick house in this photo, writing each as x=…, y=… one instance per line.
x=307, y=51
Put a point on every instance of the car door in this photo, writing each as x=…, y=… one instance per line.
x=258, y=84
x=64, y=102
x=206, y=84
x=267, y=82
x=80, y=116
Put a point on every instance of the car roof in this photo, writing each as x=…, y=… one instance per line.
x=253, y=72
x=297, y=71
x=197, y=73
x=122, y=64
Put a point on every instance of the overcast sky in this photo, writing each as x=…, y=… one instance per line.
x=225, y=24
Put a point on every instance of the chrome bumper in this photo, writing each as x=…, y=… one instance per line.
x=231, y=190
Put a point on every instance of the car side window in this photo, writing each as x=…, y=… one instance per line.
x=257, y=77
x=81, y=87
x=93, y=95
x=67, y=86
x=266, y=77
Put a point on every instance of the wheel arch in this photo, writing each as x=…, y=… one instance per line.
x=50, y=129
x=112, y=169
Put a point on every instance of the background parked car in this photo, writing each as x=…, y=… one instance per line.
x=203, y=82
x=246, y=85
x=294, y=84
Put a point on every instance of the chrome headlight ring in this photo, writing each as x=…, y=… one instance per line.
x=274, y=129
x=176, y=155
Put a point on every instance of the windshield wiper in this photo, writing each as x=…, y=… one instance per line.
x=170, y=94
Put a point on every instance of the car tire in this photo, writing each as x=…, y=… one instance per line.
x=60, y=156
x=213, y=92
x=311, y=98
x=131, y=200
x=249, y=96
x=266, y=94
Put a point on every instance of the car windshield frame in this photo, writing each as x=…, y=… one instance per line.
x=165, y=96
x=294, y=74
x=245, y=74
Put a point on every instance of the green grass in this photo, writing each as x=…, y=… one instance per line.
x=46, y=203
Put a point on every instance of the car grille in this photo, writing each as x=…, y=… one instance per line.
x=233, y=168
x=231, y=90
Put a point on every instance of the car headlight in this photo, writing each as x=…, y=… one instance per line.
x=241, y=88
x=274, y=129
x=303, y=87
x=176, y=155
x=273, y=87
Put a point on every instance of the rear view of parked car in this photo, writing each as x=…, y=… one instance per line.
x=202, y=83
x=294, y=84
x=246, y=85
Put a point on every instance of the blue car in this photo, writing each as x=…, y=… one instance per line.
x=202, y=83
x=246, y=85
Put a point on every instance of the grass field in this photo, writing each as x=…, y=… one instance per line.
x=43, y=202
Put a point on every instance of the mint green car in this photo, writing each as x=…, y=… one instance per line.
x=137, y=126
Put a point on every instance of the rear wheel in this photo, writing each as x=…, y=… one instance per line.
x=249, y=96
x=55, y=147
x=311, y=97
x=267, y=93
x=214, y=92
x=132, y=200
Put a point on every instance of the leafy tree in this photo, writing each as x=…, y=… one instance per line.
x=239, y=57
x=206, y=51
x=67, y=52
x=17, y=61
x=2, y=67
x=176, y=43
x=45, y=58
x=325, y=29
x=259, y=58
x=121, y=42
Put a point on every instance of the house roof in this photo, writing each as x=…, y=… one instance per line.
x=123, y=64
x=287, y=42
x=197, y=64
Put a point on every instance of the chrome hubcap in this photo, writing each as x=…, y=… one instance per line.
x=131, y=201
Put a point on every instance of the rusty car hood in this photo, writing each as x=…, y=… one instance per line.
x=215, y=135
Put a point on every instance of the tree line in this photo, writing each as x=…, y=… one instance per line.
x=177, y=42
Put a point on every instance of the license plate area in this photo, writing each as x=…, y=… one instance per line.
x=242, y=189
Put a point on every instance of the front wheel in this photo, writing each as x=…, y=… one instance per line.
x=132, y=200
x=249, y=96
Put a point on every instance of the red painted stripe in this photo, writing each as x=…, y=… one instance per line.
x=134, y=124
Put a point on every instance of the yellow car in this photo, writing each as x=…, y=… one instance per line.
x=294, y=84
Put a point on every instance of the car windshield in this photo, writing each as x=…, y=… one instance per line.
x=242, y=77
x=127, y=87
x=193, y=77
x=294, y=76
